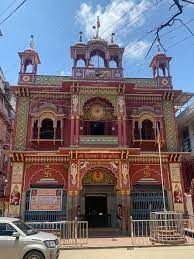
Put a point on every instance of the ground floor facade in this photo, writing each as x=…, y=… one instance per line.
x=105, y=187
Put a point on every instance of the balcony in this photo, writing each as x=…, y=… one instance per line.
x=39, y=141
x=97, y=73
x=98, y=140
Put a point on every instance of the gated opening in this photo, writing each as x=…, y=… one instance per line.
x=146, y=199
x=96, y=210
x=43, y=214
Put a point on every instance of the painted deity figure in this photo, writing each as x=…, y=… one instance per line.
x=15, y=196
x=177, y=194
x=74, y=173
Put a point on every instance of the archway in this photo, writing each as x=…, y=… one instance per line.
x=98, y=198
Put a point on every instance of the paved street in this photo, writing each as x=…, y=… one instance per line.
x=136, y=253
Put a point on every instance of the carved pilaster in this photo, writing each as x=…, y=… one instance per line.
x=22, y=123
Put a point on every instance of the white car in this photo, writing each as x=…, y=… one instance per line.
x=20, y=241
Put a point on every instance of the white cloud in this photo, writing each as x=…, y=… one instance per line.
x=131, y=9
x=137, y=50
x=111, y=15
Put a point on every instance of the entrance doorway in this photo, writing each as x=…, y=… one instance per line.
x=96, y=210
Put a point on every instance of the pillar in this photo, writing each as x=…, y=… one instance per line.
x=69, y=205
x=23, y=205
x=124, y=131
x=119, y=131
x=72, y=203
x=72, y=130
x=77, y=126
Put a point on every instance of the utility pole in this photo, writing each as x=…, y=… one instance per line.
x=1, y=34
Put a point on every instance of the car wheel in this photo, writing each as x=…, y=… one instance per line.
x=34, y=255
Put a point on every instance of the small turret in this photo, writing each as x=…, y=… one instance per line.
x=29, y=63
x=160, y=65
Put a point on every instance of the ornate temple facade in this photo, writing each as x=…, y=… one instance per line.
x=87, y=144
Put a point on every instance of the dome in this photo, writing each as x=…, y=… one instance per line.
x=80, y=44
x=113, y=45
x=97, y=40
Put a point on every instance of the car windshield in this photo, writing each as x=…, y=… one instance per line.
x=25, y=228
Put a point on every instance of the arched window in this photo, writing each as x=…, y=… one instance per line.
x=28, y=65
x=136, y=131
x=35, y=130
x=113, y=64
x=97, y=61
x=58, y=130
x=147, y=130
x=47, y=130
x=81, y=63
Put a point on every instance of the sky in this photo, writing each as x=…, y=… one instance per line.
x=56, y=24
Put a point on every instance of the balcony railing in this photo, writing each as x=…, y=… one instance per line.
x=98, y=140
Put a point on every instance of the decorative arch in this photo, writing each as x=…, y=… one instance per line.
x=108, y=109
x=148, y=176
x=109, y=99
x=147, y=116
x=99, y=175
x=53, y=177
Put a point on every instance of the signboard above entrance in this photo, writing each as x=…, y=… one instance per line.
x=45, y=199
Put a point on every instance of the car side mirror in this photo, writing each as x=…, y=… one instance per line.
x=16, y=234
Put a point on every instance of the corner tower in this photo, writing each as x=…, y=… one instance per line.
x=29, y=63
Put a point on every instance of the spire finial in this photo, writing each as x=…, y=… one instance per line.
x=80, y=36
x=112, y=37
x=158, y=46
x=97, y=27
x=32, y=43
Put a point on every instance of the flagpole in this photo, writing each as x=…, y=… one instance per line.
x=161, y=169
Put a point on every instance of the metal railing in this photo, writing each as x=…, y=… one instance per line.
x=70, y=233
x=170, y=231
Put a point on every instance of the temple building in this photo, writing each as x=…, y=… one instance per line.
x=87, y=145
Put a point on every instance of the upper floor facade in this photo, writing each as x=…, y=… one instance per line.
x=96, y=106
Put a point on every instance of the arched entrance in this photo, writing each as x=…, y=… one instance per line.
x=98, y=198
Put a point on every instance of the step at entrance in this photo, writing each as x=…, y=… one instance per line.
x=104, y=232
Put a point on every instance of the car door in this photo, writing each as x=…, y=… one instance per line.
x=9, y=245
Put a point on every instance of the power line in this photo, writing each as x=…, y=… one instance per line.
x=8, y=7
x=13, y=12
x=135, y=18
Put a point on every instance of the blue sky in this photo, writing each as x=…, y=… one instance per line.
x=56, y=25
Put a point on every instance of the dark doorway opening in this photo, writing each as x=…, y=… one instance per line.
x=96, y=211
x=97, y=128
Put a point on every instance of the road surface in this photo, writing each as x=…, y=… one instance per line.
x=180, y=252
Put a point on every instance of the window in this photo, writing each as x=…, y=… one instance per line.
x=47, y=130
x=147, y=130
x=35, y=130
x=6, y=229
x=186, y=140
x=25, y=228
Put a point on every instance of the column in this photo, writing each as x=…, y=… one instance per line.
x=69, y=205
x=72, y=130
x=124, y=207
x=23, y=205
x=77, y=122
x=119, y=131
x=124, y=131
